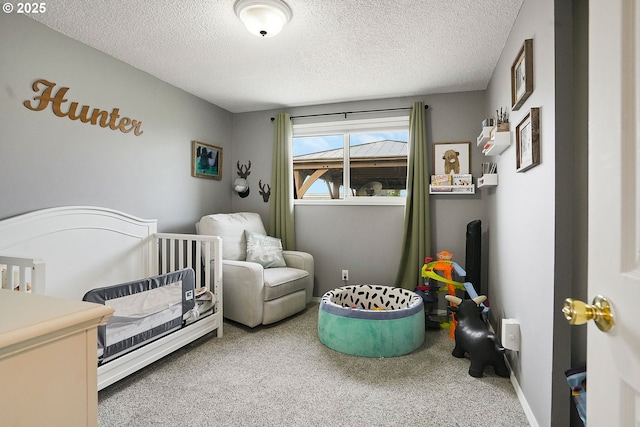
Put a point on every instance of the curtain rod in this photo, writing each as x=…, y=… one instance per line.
x=426, y=107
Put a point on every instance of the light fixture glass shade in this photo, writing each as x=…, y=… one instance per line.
x=264, y=18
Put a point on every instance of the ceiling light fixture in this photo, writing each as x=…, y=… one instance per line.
x=264, y=18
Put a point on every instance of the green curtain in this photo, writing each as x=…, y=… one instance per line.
x=281, y=218
x=416, y=241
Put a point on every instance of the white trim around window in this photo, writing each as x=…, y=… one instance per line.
x=315, y=127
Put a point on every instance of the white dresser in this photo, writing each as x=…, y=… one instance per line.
x=48, y=363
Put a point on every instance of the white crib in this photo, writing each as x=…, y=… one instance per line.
x=65, y=252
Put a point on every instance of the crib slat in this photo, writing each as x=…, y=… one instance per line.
x=163, y=257
x=181, y=260
x=198, y=258
x=172, y=260
x=191, y=261
x=25, y=273
x=207, y=250
x=38, y=275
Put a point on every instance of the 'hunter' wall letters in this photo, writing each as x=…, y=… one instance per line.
x=98, y=117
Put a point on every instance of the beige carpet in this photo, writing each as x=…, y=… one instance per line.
x=281, y=375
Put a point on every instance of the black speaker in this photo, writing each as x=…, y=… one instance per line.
x=474, y=254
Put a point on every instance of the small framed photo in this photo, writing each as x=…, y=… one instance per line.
x=451, y=158
x=522, y=75
x=528, y=141
x=206, y=160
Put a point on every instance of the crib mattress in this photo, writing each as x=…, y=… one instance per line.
x=144, y=310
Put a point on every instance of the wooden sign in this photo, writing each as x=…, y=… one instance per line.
x=103, y=118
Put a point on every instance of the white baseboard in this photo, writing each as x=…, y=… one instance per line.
x=523, y=401
x=516, y=386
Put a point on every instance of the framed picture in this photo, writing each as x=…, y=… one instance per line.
x=451, y=158
x=206, y=160
x=522, y=75
x=528, y=141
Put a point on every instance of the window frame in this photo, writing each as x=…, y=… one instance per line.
x=346, y=127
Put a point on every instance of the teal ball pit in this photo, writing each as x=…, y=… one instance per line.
x=371, y=320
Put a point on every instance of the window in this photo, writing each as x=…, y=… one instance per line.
x=351, y=159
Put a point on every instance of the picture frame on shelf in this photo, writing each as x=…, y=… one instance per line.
x=522, y=75
x=206, y=160
x=528, y=141
x=451, y=158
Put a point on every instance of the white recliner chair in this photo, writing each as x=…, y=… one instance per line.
x=252, y=293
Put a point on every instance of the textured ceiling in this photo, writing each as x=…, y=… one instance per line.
x=331, y=50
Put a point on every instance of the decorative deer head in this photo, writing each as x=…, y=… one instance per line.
x=265, y=191
x=243, y=170
x=241, y=186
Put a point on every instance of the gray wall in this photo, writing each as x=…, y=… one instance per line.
x=366, y=240
x=522, y=214
x=537, y=250
x=48, y=161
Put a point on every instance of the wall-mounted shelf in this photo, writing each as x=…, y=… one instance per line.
x=452, y=189
x=488, y=180
x=497, y=143
x=484, y=136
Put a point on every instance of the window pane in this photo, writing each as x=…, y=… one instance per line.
x=318, y=163
x=378, y=164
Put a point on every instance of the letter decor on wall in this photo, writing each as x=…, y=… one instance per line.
x=103, y=118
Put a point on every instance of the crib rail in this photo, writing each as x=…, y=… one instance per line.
x=23, y=274
x=200, y=252
x=170, y=252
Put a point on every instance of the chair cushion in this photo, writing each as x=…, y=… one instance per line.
x=231, y=228
x=265, y=250
x=283, y=281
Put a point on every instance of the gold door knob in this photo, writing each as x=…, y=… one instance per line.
x=576, y=312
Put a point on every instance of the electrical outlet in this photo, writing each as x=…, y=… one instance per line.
x=345, y=275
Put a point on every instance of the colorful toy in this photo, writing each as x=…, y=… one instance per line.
x=473, y=337
x=577, y=379
x=446, y=266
